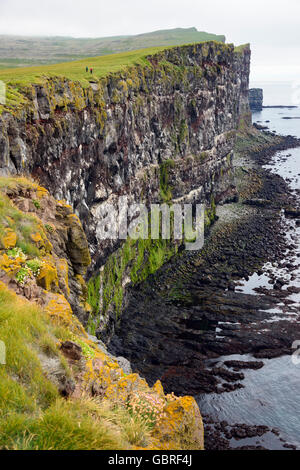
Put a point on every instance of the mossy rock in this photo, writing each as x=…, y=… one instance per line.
x=78, y=248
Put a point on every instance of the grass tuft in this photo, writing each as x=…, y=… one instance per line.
x=32, y=414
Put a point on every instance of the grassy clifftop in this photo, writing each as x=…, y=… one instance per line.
x=16, y=51
x=102, y=66
x=20, y=82
x=76, y=70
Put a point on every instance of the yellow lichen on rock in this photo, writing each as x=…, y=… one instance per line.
x=41, y=241
x=178, y=424
x=60, y=312
x=63, y=274
x=37, y=239
x=64, y=205
x=158, y=388
x=10, y=266
x=41, y=192
x=181, y=428
x=47, y=277
x=8, y=239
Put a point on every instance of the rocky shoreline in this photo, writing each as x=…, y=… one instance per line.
x=200, y=314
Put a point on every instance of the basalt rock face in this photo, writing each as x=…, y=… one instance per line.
x=256, y=99
x=90, y=146
x=170, y=122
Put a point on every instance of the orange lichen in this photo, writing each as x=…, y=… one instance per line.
x=60, y=312
x=37, y=238
x=158, y=388
x=64, y=205
x=41, y=192
x=63, y=274
x=10, y=266
x=47, y=277
x=181, y=427
x=177, y=421
x=8, y=239
x=40, y=239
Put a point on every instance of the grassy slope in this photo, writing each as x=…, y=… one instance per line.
x=76, y=70
x=32, y=414
x=18, y=51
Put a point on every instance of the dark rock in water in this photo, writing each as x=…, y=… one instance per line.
x=250, y=448
x=227, y=375
x=289, y=446
x=221, y=435
x=291, y=212
x=290, y=117
x=260, y=127
x=256, y=99
x=244, y=364
x=280, y=107
x=257, y=202
x=270, y=353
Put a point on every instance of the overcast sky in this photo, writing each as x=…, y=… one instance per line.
x=271, y=26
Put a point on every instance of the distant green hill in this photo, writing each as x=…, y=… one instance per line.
x=16, y=51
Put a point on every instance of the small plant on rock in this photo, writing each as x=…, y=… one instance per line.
x=35, y=266
x=88, y=352
x=37, y=204
x=148, y=407
x=49, y=228
x=23, y=275
x=16, y=253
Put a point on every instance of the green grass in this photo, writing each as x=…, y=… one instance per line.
x=32, y=414
x=241, y=48
x=28, y=51
x=23, y=386
x=75, y=71
x=19, y=81
x=75, y=425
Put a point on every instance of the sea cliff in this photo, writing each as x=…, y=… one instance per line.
x=159, y=131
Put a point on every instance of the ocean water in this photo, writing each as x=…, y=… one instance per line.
x=279, y=93
x=271, y=395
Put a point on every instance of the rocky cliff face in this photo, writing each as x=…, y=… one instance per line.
x=161, y=131
x=256, y=99
x=52, y=234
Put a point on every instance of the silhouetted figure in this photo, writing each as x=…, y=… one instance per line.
x=91, y=70
x=86, y=69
